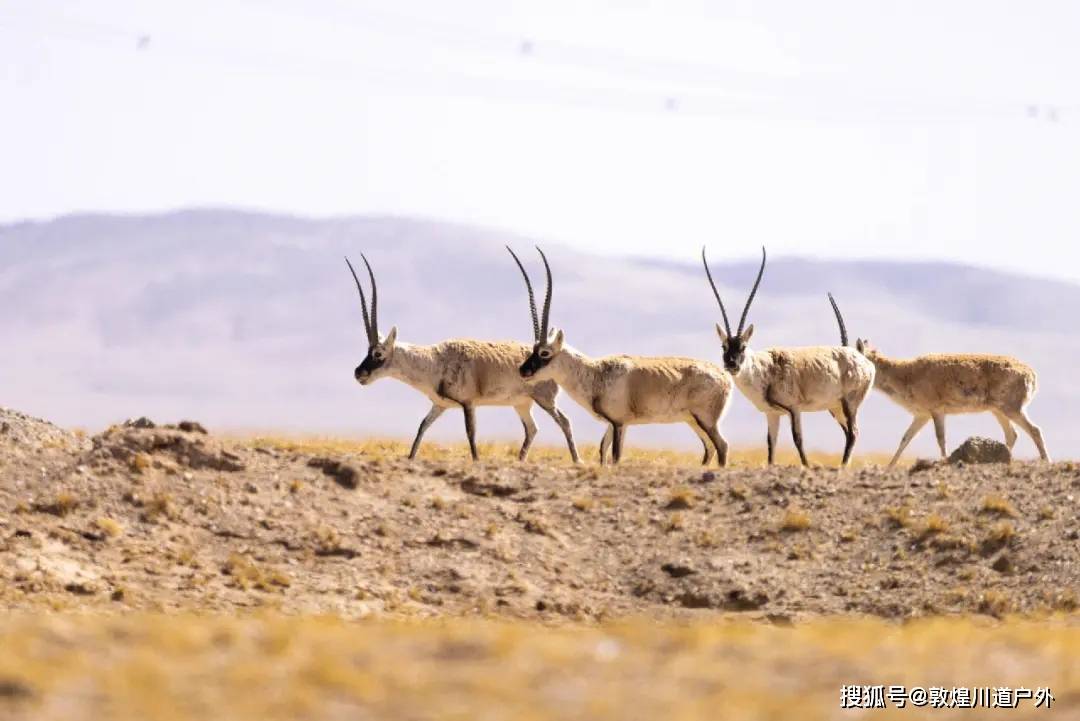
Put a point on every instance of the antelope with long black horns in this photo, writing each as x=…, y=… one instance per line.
x=791, y=381
x=457, y=374
x=625, y=390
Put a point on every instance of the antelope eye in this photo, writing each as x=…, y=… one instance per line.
x=545, y=354
x=377, y=355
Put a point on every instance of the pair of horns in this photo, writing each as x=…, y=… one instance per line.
x=371, y=323
x=540, y=327
x=753, y=291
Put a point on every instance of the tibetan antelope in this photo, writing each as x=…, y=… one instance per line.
x=789, y=381
x=458, y=373
x=626, y=390
x=939, y=384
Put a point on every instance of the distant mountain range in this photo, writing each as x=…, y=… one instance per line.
x=250, y=321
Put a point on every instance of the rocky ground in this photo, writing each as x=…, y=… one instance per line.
x=170, y=518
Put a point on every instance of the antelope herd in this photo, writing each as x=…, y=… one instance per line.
x=624, y=390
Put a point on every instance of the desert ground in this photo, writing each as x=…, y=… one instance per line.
x=160, y=571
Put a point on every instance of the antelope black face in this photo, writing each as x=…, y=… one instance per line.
x=736, y=345
x=542, y=354
x=735, y=348
x=378, y=356
x=380, y=350
x=547, y=342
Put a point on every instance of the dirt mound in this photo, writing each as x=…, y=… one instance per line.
x=19, y=429
x=136, y=446
x=147, y=516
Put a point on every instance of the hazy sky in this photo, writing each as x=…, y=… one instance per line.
x=947, y=129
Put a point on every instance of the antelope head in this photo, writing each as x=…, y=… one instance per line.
x=863, y=346
x=547, y=341
x=735, y=344
x=380, y=350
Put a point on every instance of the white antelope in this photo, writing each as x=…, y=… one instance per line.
x=625, y=390
x=790, y=381
x=936, y=385
x=458, y=373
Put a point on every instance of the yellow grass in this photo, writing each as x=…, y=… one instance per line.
x=553, y=454
x=110, y=527
x=795, y=520
x=176, y=668
x=998, y=505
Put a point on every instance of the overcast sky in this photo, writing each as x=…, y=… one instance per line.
x=947, y=129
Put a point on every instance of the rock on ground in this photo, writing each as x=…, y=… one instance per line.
x=981, y=450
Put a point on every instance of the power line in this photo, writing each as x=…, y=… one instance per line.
x=672, y=102
x=677, y=73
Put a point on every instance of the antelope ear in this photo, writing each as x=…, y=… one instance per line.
x=860, y=345
x=556, y=341
x=720, y=332
x=391, y=337
x=747, y=333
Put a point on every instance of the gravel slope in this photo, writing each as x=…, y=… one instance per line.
x=169, y=519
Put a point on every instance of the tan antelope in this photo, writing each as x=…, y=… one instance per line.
x=458, y=373
x=939, y=384
x=790, y=381
x=625, y=390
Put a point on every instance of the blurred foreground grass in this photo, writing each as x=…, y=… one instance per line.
x=552, y=455
x=150, y=667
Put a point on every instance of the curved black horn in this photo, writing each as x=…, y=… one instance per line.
x=840, y=320
x=532, y=298
x=723, y=311
x=363, y=300
x=753, y=291
x=546, y=315
x=374, y=303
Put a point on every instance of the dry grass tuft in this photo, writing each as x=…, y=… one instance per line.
x=995, y=504
x=898, y=516
x=158, y=506
x=934, y=525
x=998, y=537
x=109, y=527
x=326, y=540
x=62, y=505
x=795, y=520
x=139, y=462
x=995, y=603
x=680, y=499
x=583, y=504
x=1066, y=601
x=675, y=522
x=245, y=573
